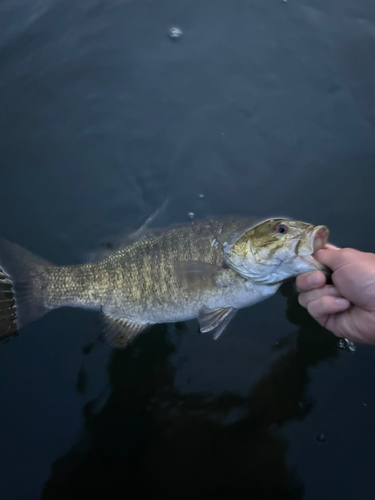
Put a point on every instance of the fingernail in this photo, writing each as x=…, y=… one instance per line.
x=342, y=303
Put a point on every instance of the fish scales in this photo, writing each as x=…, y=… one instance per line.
x=205, y=269
x=141, y=274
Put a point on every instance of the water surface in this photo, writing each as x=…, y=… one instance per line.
x=267, y=108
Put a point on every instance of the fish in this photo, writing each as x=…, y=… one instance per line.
x=206, y=269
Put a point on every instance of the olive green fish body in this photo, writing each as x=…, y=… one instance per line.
x=140, y=282
x=205, y=269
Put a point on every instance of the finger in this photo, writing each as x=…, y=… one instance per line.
x=327, y=290
x=327, y=305
x=328, y=246
x=309, y=281
x=334, y=259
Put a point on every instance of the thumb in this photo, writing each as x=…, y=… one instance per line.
x=331, y=247
x=335, y=258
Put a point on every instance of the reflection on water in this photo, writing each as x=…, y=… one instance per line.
x=149, y=437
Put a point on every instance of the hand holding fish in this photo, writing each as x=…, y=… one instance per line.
x=347, y=307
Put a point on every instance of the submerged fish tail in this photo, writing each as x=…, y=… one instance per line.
x=23, y=278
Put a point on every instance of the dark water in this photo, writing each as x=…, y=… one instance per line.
x=266, y=107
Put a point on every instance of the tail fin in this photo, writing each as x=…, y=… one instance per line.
x=22, y=280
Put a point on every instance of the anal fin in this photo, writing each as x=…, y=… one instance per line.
x=119, y=332
x=215, y=320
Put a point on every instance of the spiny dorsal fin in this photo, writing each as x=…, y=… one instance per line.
x=119, y=331
x=215, y=320
x=116, y=242
x=145, y=230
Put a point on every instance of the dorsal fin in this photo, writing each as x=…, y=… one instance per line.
x=117, y=241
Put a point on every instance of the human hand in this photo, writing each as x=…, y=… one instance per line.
x=346, y=308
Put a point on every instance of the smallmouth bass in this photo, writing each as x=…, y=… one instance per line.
x=205, y=269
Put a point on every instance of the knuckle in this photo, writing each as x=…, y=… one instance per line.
x=312, y=309
x=302, y=299
x=325, y=302
x=320, y=306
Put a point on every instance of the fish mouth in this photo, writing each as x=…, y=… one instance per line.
x=318, y=238
x=314, y=239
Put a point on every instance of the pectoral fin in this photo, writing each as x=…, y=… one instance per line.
x=196, y=275
x=215, y=320
x=119, y=332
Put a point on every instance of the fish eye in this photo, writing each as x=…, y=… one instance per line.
x=281, y=229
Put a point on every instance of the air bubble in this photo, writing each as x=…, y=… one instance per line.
x=175, y=33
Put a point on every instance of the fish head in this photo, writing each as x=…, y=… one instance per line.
x=275, y=249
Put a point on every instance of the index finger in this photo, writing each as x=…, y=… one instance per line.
x=309, y=281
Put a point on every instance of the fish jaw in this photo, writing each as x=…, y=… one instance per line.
x=315, y=240
x=319, y=237
x=310, y=263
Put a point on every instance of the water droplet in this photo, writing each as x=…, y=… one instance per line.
x=201, y=196
x=346, y=345
x=191, y=215
x=321, y=437
x=175, y=33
